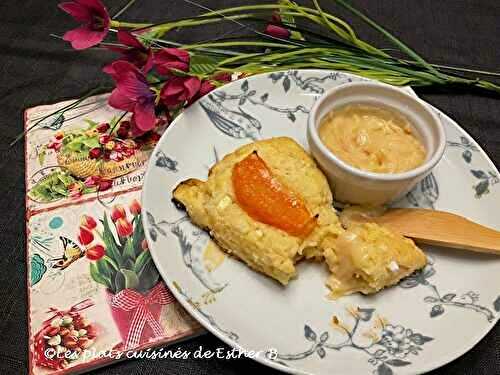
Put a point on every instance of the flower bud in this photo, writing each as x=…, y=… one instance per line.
x=277, y=31
x=124, y=227
x=117, y=212
x=95, y=252
x=88, y=222
x=135, y=207
x=85, y=237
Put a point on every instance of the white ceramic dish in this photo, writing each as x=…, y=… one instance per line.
x=438, y=313
x=356, y=186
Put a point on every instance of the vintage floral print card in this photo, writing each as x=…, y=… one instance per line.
x=88, y=148
x=92, y=285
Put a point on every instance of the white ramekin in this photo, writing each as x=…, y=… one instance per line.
x=352, y=185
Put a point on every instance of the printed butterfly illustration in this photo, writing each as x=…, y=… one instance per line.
x=71, y=253
x=38, y=268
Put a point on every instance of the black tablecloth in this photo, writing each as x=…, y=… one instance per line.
x=36, y=68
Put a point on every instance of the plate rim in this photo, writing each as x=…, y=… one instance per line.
x=432, y=365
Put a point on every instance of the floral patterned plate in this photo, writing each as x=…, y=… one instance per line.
x=429, y=319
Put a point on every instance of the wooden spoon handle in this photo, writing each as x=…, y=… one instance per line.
x=441, y=229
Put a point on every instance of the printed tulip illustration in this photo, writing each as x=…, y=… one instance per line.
x=95, y=252
x=123, y=264
x=124, y=227
x=85, y=237
x=135, y=207
x=88, y=222
x=118, y=255
x=117, y=212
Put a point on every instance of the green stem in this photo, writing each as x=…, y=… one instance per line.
x=403, y=47
x=236, y=43
x=128, y=25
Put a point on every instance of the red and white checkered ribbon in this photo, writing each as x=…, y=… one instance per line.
x=73, y=310
x=129, y=300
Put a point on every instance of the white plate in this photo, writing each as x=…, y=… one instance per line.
x=429, y=319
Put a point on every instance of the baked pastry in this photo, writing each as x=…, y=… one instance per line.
x=266, y=203
x=269, y=205
x=368, y=257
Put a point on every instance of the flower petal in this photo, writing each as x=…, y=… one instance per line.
x=277, y=31
x=148, y=65
x=128, y=39
x=119, y=101
x=96, y=5
x=79, y=12
x=83, y=37
x=176, y=54
x=192, y=85
x=144, y=115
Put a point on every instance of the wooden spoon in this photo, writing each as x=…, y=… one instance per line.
x=437, y=228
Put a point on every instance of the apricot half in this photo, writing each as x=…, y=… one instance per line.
x=264, y=198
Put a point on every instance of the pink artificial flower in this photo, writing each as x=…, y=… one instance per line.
x=134, y=52
x=277, y=31
x=95, y=22
x=171, y=58
x=132, y=94
x=224, y=77
x=178, y=90
x=205, y=87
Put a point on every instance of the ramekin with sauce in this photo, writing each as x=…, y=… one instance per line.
x=373, y=141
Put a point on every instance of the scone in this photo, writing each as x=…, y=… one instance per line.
x=266, y=203
x=368, y=257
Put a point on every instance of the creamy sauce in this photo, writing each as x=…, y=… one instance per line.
x=372, y=138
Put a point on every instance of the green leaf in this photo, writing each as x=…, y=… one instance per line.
x=138, y=236
x=107, y=260
x=202, y=64
x=148, y=277
x=128, y=250
x=119, y=282
x=131, y=279
x=109, y=241
x=103, y=268
x=141, y=261
x=91, y=142
x=98, y=278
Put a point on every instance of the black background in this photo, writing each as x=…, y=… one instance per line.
x=36, y=69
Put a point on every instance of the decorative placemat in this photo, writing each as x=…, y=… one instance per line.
x=94, y=293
